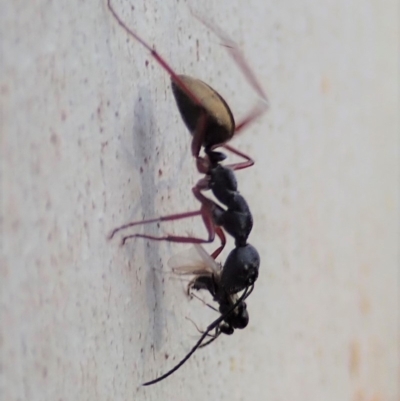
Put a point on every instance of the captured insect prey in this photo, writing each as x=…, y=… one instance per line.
x=212, y=125
x=208, y=276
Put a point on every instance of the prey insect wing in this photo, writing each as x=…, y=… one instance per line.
x=194, y=261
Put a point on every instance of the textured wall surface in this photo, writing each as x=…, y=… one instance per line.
x=91, y=138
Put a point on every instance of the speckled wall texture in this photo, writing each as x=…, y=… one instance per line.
x=90, y=138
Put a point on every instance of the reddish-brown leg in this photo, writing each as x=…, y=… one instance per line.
x=208, y=223
x=239, y=166
x=241, y=62
x=236, y=55
x=205, y=211
x=221, y=235
x=253, y=114
x=198, y=135
x=156, y=220
x=160, y=60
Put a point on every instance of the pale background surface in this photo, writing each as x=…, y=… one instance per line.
x=91, y=138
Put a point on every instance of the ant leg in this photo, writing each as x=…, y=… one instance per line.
x=208, y=222
x=221, y=235
x=205, y=303
x=160, y=60
x=156, y=220
x=214, y=337
x=235, y=53
x=198, y=136
x=206, y=213
x=211, y=205
x=197, y=328
x=241, y=62
x=255, y=113
x=239, y=166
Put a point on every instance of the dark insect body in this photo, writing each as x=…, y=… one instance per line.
x=215, y=325
x=209, y=276
x=211, y=124
x=232, y=308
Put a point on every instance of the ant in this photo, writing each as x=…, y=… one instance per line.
x=212, y=125
x=233, y=309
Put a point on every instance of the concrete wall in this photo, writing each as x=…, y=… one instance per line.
x=91, y=138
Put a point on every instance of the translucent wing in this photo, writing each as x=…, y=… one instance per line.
x=194, y=261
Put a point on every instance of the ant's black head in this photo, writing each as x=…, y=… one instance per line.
x=237, y=319
x=241, y=269
x=241, y=319
x=226, y=328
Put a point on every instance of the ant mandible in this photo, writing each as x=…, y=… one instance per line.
x=211, y=123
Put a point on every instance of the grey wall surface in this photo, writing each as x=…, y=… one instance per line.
x=91, y=138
